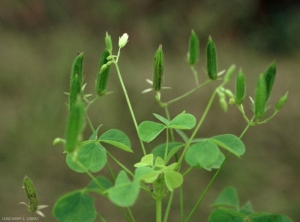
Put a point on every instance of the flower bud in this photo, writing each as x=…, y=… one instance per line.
x=193, y=49
x=223, y=104
x=260, y=97
x=31, y=194
x=211, y=59
x=76, y=79
x=75, y=125
x=158, y=69
x=108, y=42
x=123, y=40
x=58, y=140
x=229, y=73
x=103, y=74
x=269, y=76
x=281, y=102
x=240, y=88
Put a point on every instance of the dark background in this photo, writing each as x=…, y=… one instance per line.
x=40, y=39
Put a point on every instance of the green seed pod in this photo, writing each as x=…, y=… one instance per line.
x=270, y=75
x=108, y=42
x=77, y=67
x=193, y=49
x=76, y=79
x=229, y=73
x=75, y=125
x=281, y=102
x=260, y=97
x=75, y=90
x=103, y=73
x=211, y=59
x=223, y=104
x=31, y=194
x=240, y=88
x=158, y=69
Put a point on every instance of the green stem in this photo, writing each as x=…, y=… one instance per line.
x=169, y=207
x=111, y=171
x=216, y=174
x=100, y=217
x=169, y=118
x=167, y=145
x=198, y=125
x=266, y=120
x=187, y=171
x=187, y=93
x=89, y=174
x=120, y=164
x=158, y=202
x=195, y=74
x=130, y=214
x=128, y=101
x=181, y=203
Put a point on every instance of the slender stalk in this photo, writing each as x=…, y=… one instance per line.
x=188, y=93
x=120, y=164
x=181, y=203
x=169, y=118
x=89, y=174
x=169, y=207
x=101, y=218
x=216, y=174
x=130, y=214
x=195, y=74
x=158, y=202
x=187, y=171
x=128, y=101
x=111, y=171
x=198, y=126
x=167, y=145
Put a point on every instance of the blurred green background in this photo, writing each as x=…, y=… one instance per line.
x=40, y=39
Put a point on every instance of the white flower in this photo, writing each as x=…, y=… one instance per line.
x=123, y=40
x=38, y=209
x=150, y=89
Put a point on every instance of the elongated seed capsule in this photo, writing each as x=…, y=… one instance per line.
x=211, y=59
x=75, y=125
x=260, y=97
x=108, y=42
x=222, y=101
x=281, y=102
x=103, y=73
x=229, y=73
x=31, y=194
x=76, y=79
x=270, y=75
x=240, y=88
x=75, y=90
x=193, y=49
x=158, y=69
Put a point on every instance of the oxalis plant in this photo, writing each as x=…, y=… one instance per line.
x=161, y=171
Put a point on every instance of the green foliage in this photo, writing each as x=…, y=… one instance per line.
x=159, y=173
x=228, y=209
x=125, y=192
x=91, y=155
x=75, y=206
